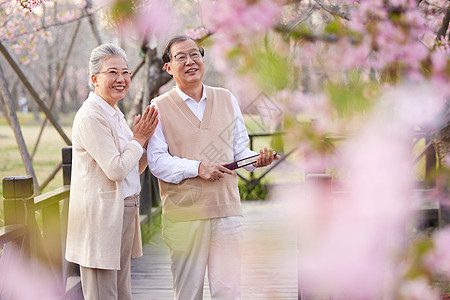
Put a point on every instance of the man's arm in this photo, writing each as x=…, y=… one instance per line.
x=241, y=141
x=164, y=166
x=241, y=138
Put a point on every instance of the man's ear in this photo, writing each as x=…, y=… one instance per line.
x=168, y=68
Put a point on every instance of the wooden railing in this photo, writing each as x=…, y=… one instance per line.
x=35, y=229
x=34, y=235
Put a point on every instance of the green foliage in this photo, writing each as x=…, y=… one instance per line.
x=335, y=27
x=120, y=9
x=249, y=191
x=271, y=70
x=277, y=143
x=149, y=229
x=417, y=252
x=354, y=97
x=300, y=32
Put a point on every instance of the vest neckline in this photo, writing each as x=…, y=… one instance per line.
x=187, y=112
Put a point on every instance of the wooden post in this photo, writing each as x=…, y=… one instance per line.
x=69, y=269
x=145, y=196
x=67, y=164
x=318, y=188
x=52, y=232
x=14, y=122
x=430, y=163
x=19, y=209
x=16, y=190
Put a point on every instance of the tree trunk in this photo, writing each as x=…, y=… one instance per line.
x=155, y=77
x=441, y=143
x=14, y=122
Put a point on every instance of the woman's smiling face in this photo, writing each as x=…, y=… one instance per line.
x=113, y=81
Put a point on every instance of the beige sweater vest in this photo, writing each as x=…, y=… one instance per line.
x=208, y=140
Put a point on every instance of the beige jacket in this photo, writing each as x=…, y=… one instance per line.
x=96, y=204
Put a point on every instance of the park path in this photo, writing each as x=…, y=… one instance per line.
x=268, y=265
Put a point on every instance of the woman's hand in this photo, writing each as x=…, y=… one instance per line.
x=144, y=126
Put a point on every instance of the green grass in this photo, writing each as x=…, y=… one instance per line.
x=47, y=157
x=148, y=230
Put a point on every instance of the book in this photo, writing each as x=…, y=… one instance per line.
x=244, y=162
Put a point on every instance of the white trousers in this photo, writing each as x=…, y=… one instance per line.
x=196, y=246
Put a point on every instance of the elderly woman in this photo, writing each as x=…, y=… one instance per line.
x=103, y=227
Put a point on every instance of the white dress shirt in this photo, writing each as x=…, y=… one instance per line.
x=174, y=169
x=131, y=185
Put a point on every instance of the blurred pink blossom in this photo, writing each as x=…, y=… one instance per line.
x=418, y=289
x=31, y=4
x=353, y=243
x=17, y=49
x=438, y=259
x=25, y=60
x=416, y=104
x=238, y=17
x=22, y=279
x=197, y=33
x=67, y=15
x=155, y=17
x=440, y=59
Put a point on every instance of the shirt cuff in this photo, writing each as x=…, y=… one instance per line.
x=191, y=168
x=137, y=144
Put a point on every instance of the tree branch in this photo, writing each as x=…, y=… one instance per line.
x=444, y=27
x=333, y=9
x=40, y=28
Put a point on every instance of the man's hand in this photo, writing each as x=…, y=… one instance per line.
x=212, y=171
x=265, y=157
x=144, y=126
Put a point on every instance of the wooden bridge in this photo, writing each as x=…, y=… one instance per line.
x=268, y=264
x=32, y=264
x=34, y=243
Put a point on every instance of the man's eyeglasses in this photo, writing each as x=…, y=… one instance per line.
x=181, y=58
x=114, y=73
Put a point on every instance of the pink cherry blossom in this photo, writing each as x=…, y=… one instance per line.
x=239, y=18
x=353, y=244
x=418, y=289
x=155, y=17
x=197, y=33
x=17, y=49
x=439, y=257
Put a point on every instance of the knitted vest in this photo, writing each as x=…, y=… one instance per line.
x=209, y=140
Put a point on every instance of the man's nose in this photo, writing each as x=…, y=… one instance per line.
x=189, y=59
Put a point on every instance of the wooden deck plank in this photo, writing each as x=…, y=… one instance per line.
x=268, y=264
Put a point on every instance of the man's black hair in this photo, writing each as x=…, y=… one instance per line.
x=166, y=55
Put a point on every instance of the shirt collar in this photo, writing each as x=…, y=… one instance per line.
x=104, y=105
x=186, y=97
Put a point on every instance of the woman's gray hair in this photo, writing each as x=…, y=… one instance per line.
x=99, y=54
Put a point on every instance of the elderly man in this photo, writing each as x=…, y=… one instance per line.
x=200, y=129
